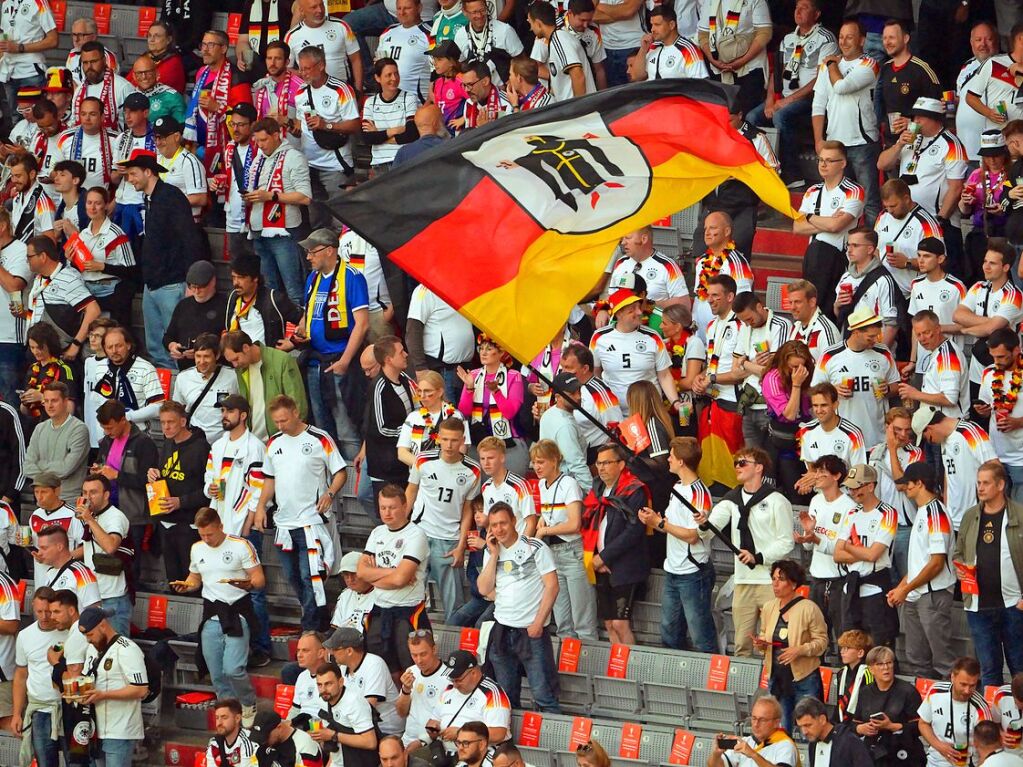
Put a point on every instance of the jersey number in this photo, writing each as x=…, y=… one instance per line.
x=445, y=494
x=950, y=467
x=90, y=164
x=626, y=361
x=395, y=52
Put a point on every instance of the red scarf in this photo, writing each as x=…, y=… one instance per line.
x=106, y=95
x=273, y=212
x=216, y=125
x=473, y=110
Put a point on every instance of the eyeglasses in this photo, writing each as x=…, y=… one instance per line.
x=883, y=663
x=765, y=719
x=317, y=249
x=206, y=44
x=420, y=633
x=827, y=161
x=466, y=743
x=604, y=464
x=140, y=72
x=473, y=84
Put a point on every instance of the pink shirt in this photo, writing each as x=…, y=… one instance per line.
x=777, y=398
x=508, y=405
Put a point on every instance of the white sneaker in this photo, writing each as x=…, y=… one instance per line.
x=248, y=715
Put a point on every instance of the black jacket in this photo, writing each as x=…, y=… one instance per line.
x=191, y=319
x=190, y=19
x=172, y=240
x=140, y=455
x=847, y=750
x=274, y=307
x=625, y=540
x=12, y=453
x=183, y=465
x=385, y=414
x=900, y=702
x=732, y=195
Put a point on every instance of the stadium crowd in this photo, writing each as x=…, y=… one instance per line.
x=873, y=429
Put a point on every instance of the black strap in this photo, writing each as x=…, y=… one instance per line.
x=467, y=698
x=60, y=572
x=239, y=170
x=206, y=389
x=348, y=169
x=865, y=284
x=789, y=605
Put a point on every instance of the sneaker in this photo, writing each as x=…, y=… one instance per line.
x=248, y=715
x=258, y=659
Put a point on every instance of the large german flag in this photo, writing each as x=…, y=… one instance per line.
x=513, y=223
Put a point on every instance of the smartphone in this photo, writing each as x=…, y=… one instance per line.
x=879, y=716
x=727, y=743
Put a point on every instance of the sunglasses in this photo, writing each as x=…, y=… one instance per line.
x=742, y=462
x=584, y=748
x=420, y=633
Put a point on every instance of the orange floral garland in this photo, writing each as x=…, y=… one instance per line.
x=1005, y=399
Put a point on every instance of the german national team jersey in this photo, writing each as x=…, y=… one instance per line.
x=969, y=123
x=443, y=489
x=802, y=54
x=95, y=153
x=589, y=36
x=602, y=403
x=829, y=518
x=230, y=560
x=731, y=262
x=934, y=161
x=865, y=528
x=74, y=577
x=886, y=487
x=516, y=493
x=302, y=467
x=63, y=517
x=722, y=348
x=390, y=548
x=390, y=114
x=963, y=452
x=487, y=703
x=426, y=691
x=306, y=699
x=408, y=47
x=519, y=588
x=940, y=296
x=904, y=235
x=564, y=53
x=932, y=534
x=682, y=58
x=624, y=358
x=846, y=197
x=819, y=334
x=555, y=499
x=769, y=337
x=862, y=372
x=1011, y=717
x=334, y=37
x=241, y=752
x=953, y=721
x=141, y=377
x=24, y=21
x=334, y=102
x=994, y=84
x=845, y=440
x=352, y=608
x=663, y=277
x=985, y=301
x=946, y=373
x=685, y=558
x=33, y=206
x=10, y=610
x=881, y=298
x=496, y=36
x=187, y=173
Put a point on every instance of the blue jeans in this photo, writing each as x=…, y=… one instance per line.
x=685, y=604
x=330, y=411
x=808, y=687
x=121, y=613
x=473, y=612
x=448, y=578
x=282, y=266
x=617, y=65
x=46, y=751
x=226, y=658
x=117, y=752
x=157, y=307
x=791, y=121
x=369, y=21
x=541, y=670
x=12, y=360
x=1015, y=481
x=900, y=552
x=296, y=566
x=862, y=164
x=996, y=636
x=260, y=639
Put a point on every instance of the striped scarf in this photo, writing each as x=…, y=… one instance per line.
x=499, y=425
x=424, y=436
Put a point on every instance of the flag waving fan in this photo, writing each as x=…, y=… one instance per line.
x=544, y=197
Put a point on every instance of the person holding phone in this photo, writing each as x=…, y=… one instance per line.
x=885, y=713
x=768, y=745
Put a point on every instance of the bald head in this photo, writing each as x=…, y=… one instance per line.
x=717, y=230
x=369, y=364
x=430, y=121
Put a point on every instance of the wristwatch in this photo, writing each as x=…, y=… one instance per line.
x=660, y=525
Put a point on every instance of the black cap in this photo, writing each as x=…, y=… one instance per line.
x=166, y=125
x=931, y=245
x=136, y=101
x=233, y=402
x=247, y=265
x=91, y=617
x=446, y=49
x=918, y=472
x=461, y=661
x=264, y=723
x=566, y=382
x=244, y=109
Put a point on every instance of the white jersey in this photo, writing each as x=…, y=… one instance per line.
x=845, y=441
x=408, y=47
x=1008, y=445
x=881, y=298
x=802, y=56
x=846, y=197
x=242, y=751
x=14, y=259
x=865, y=528
x=307, y=698
x=1011, y=717
x=189, y=385
x=24, y=21
x=63, y=516
x=10, y=610
x=862, y=372
x=497, y=36
x=519, y=587
x=31, y=647
x=334, y=37
x=932, y=534
x=878, y=457
x=819, y=334
x=124, y=145
x=302, y=468
x=663, y=277
x=953, y=721
x=730, y=262
x=123, y=665
x=448, y=337
x=187, y=173
x=373, y=681
x=217, y=564
x=353, y=608
x=602, y=403
x=995, y=86
x=487, y=703
x=904, y=235
x=390, y=548
x=624, y=358
x=564, y=53
x=682, y=58
x=969, y=123
x=962, y=453
x=683, y=558
x=95, y=153
x=443, y=490
x=334, y=102
x=113, y=522
x=236, y=465
x=829, y=519
x=940, y=296
x=389, y=114
x=849, y=114
x=934, y=161
x=426, y=691
x=121, y=90
x=516, y=493
x=769, y=337
x=945, y=372
x=984, y=301
x=353, y=712
x=33, y=206
x=722, y=348
x=555, y=499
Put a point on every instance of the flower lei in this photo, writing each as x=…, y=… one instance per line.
x=678, y=353
x=712, y=264
x=1005, y=400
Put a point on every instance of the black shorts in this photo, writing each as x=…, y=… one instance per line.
x=614, y=603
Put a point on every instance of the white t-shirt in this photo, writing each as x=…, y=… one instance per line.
x=122, y=89
x=125, y=143
x=215, y=564
x=554, y=502
x=42, y=214
x=127, y=666
x=501, y=36
x=77, y=578
x=189, y=384
x=722, y=18
x=819, y=334
x=412, y=434
x=886, y=488
x=75, y=646
x=941, y=297
x=426, y=691
x=408, y=47
x=829, y=519
x=334, y=37
x=1010, y=716
x=994, y=84
x=301, y=467
x=848, y=112
x=24, y=21
x=335, y=102
x=95, y=369
x=113, y=521
x=984, y=301
x=663, y=276
x=881, y=298
x=953, y=720
x=307, y=698
x=515, y=492
x=31, y=646
x=390, y=548
x=145, y=382
x=373, y=680
x=444, y=329
x=932, y=534
x=845, y=441
x=10, y=610
x=443, y=490
x=622, y=35
x=564, y=53
x=733, y=264
x=14, y=259
x=861, y=371
x=964, y=451
x=488, y=703
x=969, y=123
x=352, y=711
x=722, y=347
x=783, y=751
x=945, y=372
x=389, y=114
x=752, y=341
x=519, y=587
x=92, y=152
x=938, y=160
x=803, y=54
x=624, y=358
x=846, y=197
x=683, y=558
x=187, y=173
x=865, y=528
x=904, y=235
x=1008, y=445
x=352, y=608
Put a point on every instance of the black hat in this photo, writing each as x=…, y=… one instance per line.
x=931, y=245
x=446, y=49
x=461, y=661
x=136, y=101
x=918, y=472
x=566, y=382
x=247, y=265
x=244, y=109
x=166, y=125
x=233, y=402
x=142, y=158
x=91, y=617
x=264, y=723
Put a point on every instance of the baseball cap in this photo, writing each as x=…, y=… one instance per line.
x=264, y=723
x=445, y=49
x=460, y=661
x=200, y=273
x=319, y=238
x=863, y=318
x=166, y=125
x=142, y=158
x=91, y=617
x=233, y=402
x=622, y=298
x=567, y=382
x=46, y=479
x=137, y=101
x=917, y=472
x=924, y=416
x=343, y=638
x=244, y=109
x=350, y=562
x=859, y=475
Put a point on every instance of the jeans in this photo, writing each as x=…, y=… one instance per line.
x=12, y=360
x=281, y=264
x=46, y=751
x=541, y=670
x=808, y=687
x=117, y=752
x=996, y=637
x=617, y=65
x=686, y=608
x=226, y=657
x=863, y=168
x=260, y=639
x=792, y=120
x=575, y=610
x=1015, y=482
x=330, y=412
x=369, y=21
x=900, y=552
x=121, y=608
x=448, y=579
x=327, y=190
x=874, y=48
x=296, y=566
x=157, y=307
x=755, y=424
x=473, y=613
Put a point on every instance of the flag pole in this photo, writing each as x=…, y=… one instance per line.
x=632, y=457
